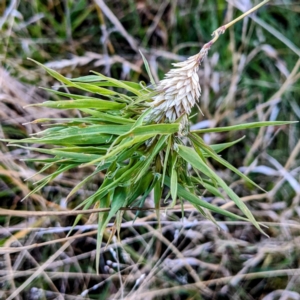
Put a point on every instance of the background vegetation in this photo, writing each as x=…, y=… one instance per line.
x=251, y=74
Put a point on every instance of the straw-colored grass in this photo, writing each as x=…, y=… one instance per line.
x=254, y=73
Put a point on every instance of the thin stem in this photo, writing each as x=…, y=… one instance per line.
x=246, y=14
x=223, y=28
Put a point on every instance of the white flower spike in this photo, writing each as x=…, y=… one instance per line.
x=179, y=91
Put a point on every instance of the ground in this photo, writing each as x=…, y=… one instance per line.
x=251, y=74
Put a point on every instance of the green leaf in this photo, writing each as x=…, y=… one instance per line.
x=174, y=179
x=118, y=201
x=139, y=121
x=191, y=156
x=82, y=183
x=119, y=177
x=42, y=170
x=183, y=193
x=80, y=104
x=148, y=69
x=209, y=186
x=62, y=168
x=99, y=80
x=146, y=193
x=88, y=139
x=117, y=150
x=53, y=73
x=166, y=158
x=87, y=78
x=155, y=129
x=216, y=157
x=48, y=179
x=128, y=153
x=220, y=147
x=68, y=95
x=76, y=157
x=158, y=147
x=102, y=217
x=97, y=130
x=120, y=84
x=100, y=116
x=92, y=88
x=139, y=188
x=157, y=195
x=83, y=86
x=244, y=126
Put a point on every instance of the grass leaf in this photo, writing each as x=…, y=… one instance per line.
x=191, y=156
x=243, y=126
x=80, y=104
x=148, y=69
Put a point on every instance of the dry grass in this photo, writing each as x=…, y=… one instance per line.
x=252, y=74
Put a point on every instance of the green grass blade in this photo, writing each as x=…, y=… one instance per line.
x=118, y=201
x=91, y=88
x=82, y=183
x=155, y=129
x=220, y=147
x=81, y=104
x=106, y=116
x=148, y=69
x=191, y=156
x=53, y=73
x=222, y=161
x=117, y=150
x=68, y=95
x=158, y=146
x=139, y=188
x=174, y=178
x=243, y=126
x=183, y=193
x=100, y=80
x=166, y=158
x=120, y=84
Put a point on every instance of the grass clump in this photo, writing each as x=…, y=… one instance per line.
x=139, y=141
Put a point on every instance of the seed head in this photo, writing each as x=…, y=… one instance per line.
x=178, y=92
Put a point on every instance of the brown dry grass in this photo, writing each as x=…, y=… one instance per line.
x=252, y=74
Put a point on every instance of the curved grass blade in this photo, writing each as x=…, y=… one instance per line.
x=185, y=194
x=158, y=146
x=80, y=103
x=191, y=156
x=120, y=84
x=220, y=147
x=174, y=178
x=99, y=80
x=118, y=200
x=199, y=142
x=148, y=69
x=243, y=126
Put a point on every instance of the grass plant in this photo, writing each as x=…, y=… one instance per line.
x=117, y=140
x=137, y=156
